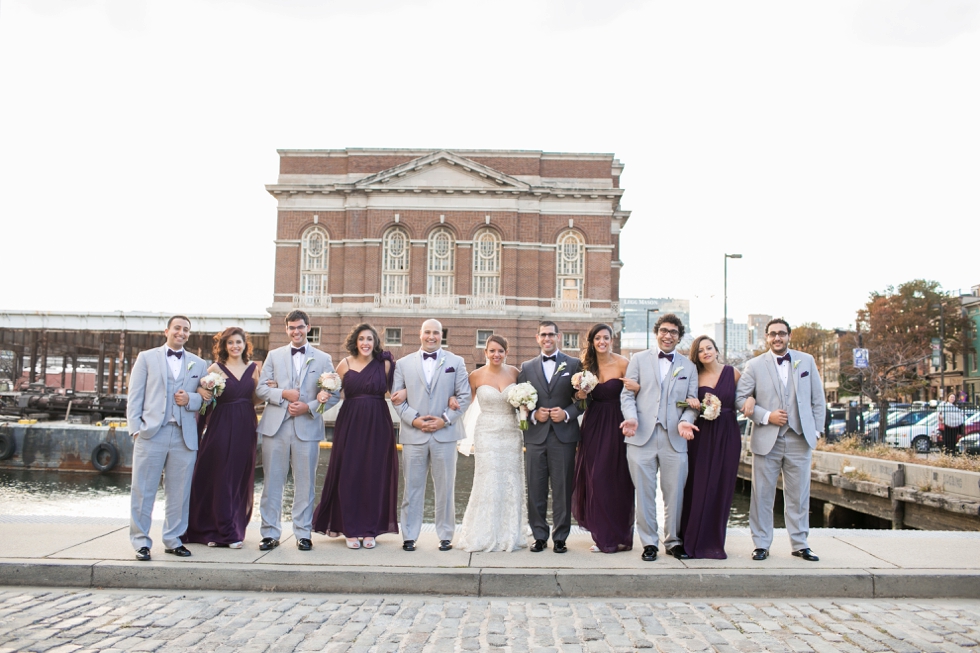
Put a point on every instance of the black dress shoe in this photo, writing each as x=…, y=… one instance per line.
x=304, y=544
x=143, y=554
x=181, y=551
x=408, y=545
x=445, y=545
x=678, y=552
x=539, y=546
x=560, y=546
x=806, y=554
x=760, y=554
x=268, y=544
x=649, y=553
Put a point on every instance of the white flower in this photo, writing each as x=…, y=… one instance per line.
x=677, y=371
x=329, y=381
x=796, y=364
x=560, y=367
x=308, y=360
x=190, y=365
x=585, y=381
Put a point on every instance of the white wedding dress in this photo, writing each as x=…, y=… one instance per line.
x=496, y=515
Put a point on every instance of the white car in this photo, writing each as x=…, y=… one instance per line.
x=919, y=436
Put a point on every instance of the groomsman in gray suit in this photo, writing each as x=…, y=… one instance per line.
x=550, y=440
x=430, y=430
x=789, y=403
x=161, y=412
x=291, y=431
x=657, y=431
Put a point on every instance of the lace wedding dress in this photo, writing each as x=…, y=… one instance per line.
x=496, y=515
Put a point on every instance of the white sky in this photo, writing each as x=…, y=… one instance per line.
x=834, y=144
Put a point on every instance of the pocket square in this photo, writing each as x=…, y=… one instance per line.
x=804, y=374
x=450, y=370
x=682, y=378
x=565, y=374
x=194, y=377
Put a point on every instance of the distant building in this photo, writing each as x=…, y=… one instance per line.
x=637, y=313
x=738, y=336
x=757, y=331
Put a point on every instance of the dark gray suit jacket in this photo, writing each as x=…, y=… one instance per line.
x=557, y=393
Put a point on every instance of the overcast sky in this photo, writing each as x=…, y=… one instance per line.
x=834, y=144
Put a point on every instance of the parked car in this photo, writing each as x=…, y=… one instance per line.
x=901, y=418
x=970, y=444
x=919, y=436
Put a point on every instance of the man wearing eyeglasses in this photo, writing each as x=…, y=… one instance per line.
x=657, y=431
x=550, y=440
x=784, y=386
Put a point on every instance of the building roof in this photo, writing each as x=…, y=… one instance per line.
x=131, y=321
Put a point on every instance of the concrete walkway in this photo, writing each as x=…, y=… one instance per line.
x=66, y=552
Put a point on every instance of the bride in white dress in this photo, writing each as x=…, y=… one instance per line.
x=496, y=515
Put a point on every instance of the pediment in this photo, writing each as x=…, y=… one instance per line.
x=442, y=170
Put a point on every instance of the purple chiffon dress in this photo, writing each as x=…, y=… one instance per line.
x=603, y=498
x=224, y=476
x=712, y=458
x=360, y=493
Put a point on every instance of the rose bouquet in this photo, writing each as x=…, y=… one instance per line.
x=215, y=382
x=710, y=407
x=524, y=398
x=585, y=381
x=329, y=381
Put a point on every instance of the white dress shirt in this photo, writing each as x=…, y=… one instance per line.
x=549, y=366
x=298, y=359
x=665, y=364
x=174, y=363
x=429, y=364
x=783, y=369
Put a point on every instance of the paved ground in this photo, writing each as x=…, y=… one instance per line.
x=69, y=621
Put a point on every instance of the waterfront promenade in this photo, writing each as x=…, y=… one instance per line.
x=70, y=552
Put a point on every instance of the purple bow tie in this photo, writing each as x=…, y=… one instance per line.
x=669, y=357
x=432, y=355
x=780, y=359
x=298, y=350
x=178, y=354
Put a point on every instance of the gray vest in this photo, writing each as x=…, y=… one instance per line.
x=174, y=412
x=792, y=407
x=664, y=386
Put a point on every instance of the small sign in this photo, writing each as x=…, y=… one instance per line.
x=860, y=358
x=937, y=346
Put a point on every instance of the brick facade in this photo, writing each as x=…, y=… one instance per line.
x=529, y=199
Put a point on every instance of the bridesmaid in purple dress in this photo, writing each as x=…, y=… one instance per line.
x=360, y=493
x=224, y=476
x=712, y=457
x=602, y=501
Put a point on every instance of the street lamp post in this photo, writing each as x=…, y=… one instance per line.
x=942, y=351
x=650, y=310
x=724, y=354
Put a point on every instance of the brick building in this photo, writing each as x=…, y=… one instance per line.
x=486, y=241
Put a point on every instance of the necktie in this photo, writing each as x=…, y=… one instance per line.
x=426, y=355
x=669, y=357
x=178, y=354
x=299, y=350
x=780, y=359
x=550, y=358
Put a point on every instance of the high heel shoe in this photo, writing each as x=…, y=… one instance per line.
x=353, y=543
x=369, y=543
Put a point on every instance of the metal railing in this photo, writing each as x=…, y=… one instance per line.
x=571, y=305
x=311, y=301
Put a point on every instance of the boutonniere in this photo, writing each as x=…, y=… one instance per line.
x=308, y=360
x=796, y=364
x=190, y=365
x=677, y=371
x=560, y=367
x=441, y=361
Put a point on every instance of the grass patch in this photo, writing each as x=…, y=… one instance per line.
x=852, y=445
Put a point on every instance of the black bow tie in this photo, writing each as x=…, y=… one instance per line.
x=669, y=357
x=298, y=350
x=432, y=355
x=550, y=358
x=178, y=354
x=780, y=359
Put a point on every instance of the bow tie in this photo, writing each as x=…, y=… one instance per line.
x=780, y=359
x=298, y=350
x=550, y=358
x=669, y=357
x=432, y=355
x=178, y=354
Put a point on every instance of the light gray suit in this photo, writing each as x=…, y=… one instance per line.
x=422, y=451
x=788, y=448
x=290, y=441
x=167, y=442
x=658, y=444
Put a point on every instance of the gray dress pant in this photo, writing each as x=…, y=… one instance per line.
x=280, y=452
x=164, y=454
x=790, y=454
x=552, y=460
x=645, y=461
x=417, y=460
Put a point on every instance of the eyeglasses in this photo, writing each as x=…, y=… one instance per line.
x=548, y=335
x=777, y=334
x=669, y=332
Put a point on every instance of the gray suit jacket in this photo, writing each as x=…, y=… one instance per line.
x=761, y=380
x=681, y=382
x=557, y=393
x=449, y=379
x=147, y=402
x=279, y=367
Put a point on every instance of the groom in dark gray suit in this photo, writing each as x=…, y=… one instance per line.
x=551, y=439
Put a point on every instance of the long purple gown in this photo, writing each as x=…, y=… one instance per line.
x=360, y=493
x=603, y=498
x=712, y=459
x=224, y=476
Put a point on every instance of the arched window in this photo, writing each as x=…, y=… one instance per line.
x=313, y=266
x=571, y=265
x=442, y=263
x=394, y=264
x=486, y=263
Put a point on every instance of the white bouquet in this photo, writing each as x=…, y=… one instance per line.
x=710, y=407
x=329, y=381
x=215, y=382
x=585, y=381
x=524, y=398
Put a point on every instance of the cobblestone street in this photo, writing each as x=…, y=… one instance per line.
x=69, y=621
